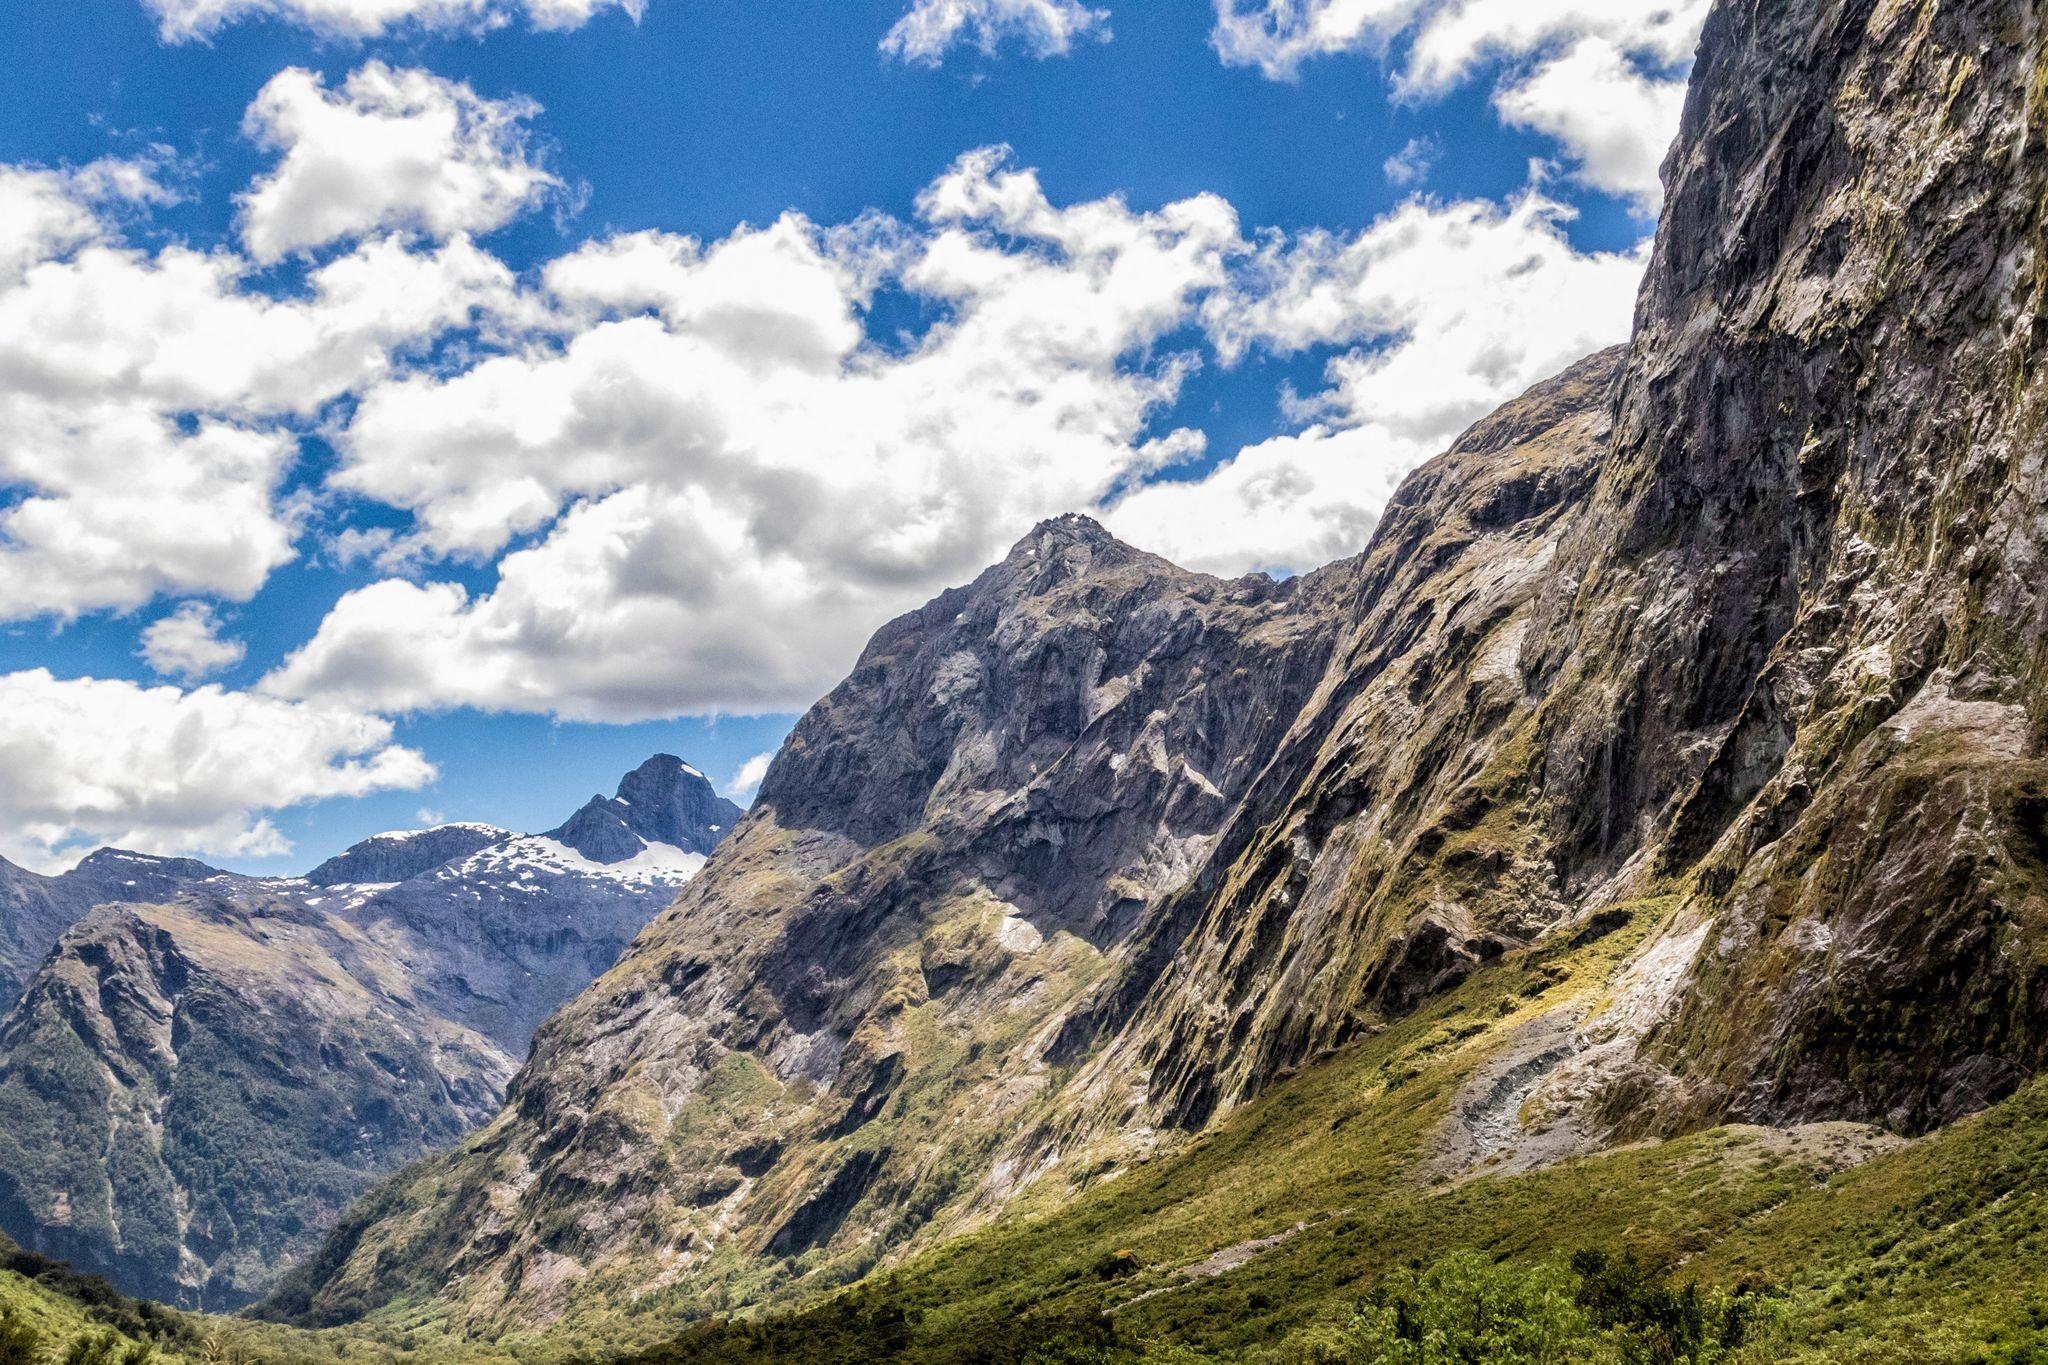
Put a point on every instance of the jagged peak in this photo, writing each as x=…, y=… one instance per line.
x=1060, y=532
x=663, y=801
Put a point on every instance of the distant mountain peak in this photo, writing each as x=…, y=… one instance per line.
x=663, y=801
x=110, y=859
x=403, y=854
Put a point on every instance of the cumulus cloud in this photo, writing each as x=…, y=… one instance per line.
x=145, y=402
x=1277, y=36
x=1616, y=121
x=189, y=20
x=931, y=28
x=1604, y=78
x=151, y=402
x=46, y=213
x=707, y=485
x=1455, y=36
x=730, y=485
x=187, y=644
x=162, y=770
x=1448, y=311
x=391, y=149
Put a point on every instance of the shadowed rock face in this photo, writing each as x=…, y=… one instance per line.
x=204, y=1073
x=1829, y=506
x=1744, y=624
x=1786, y=661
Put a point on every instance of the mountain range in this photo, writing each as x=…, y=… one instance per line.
x=1732, y=638
x=206, y=1068
x=1614, y=904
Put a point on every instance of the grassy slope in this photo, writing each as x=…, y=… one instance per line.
x=63, y=1308
x=1932, y=1253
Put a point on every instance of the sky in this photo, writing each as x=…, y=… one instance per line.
x=421, y=410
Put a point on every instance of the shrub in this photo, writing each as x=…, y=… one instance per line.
x=20, y=1344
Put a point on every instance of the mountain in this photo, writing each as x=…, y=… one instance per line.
x=35, y=910
x=404, y=854
x=664, y=801
x=203, y=1073
x=1672, y=759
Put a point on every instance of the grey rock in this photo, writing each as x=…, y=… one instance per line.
x=663, y=801
x=402, y=855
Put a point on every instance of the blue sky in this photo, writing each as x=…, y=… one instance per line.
x=1305, y=268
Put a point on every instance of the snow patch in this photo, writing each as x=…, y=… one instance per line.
x=654, y=863
x=402, y=836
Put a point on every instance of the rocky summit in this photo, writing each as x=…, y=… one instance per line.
x=207, y=1068
x=1727, y=649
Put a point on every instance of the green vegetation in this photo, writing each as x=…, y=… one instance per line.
x=1467, y=1308
x=53, y=1315
x=1733, y=1245
x=1347, y=1243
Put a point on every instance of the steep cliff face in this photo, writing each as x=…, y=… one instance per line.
x=1829, y=506
x=203, y=1074
x=1398, y=839
x=1783, y=662
x=1739, y=632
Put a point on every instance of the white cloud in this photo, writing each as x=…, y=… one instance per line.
x=733, y=488
x=187, y=644
x=748, y=779
x=187, y=20
x=1458, y=35
x=1451, y=310
x=150, y=402
x=146, y=404
x=1277, y=36
x=47, y=213
x=931, y=28
x=161, y=770
x=390, y=150
x=723, y=486
x=1602, y=77
x=1412, y=164
x=1616, y=122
